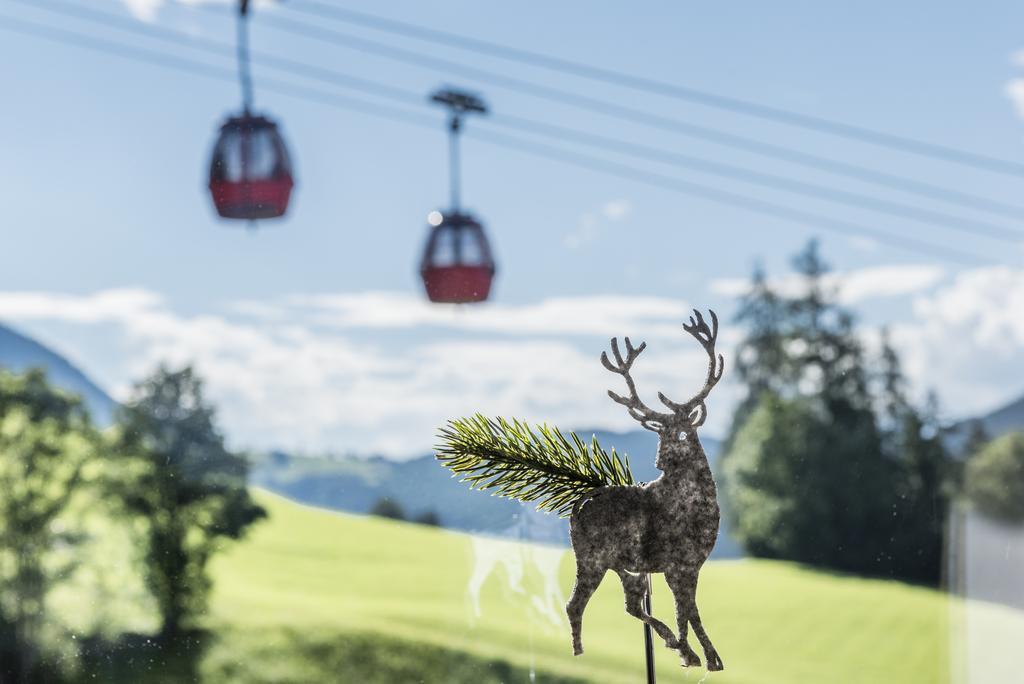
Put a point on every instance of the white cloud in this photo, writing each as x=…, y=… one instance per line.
x=617, y=210
x=556, y=316
x=590, y=224
x=586, y=231
x=148, y=10
x=964, y=337
x=887, y=281
x=282, y=378
x=144, y=10
x=853, y=287
x=1014, y=88
x=104, y=306
x=864, y=244
x=1015, y=91
x=967, y=340
x=382, y=371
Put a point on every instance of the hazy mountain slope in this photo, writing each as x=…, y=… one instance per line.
x=422, y=484
x=354, y=484
x=1008, y=418
x=19, y=353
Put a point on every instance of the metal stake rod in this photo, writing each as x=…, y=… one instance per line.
x=649, y=637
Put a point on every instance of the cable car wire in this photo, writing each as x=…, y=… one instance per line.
x=196, y=68
x=886, y=180
x=634, y=115
x=562, y=133
x=725, y=197
x=652, y=86
x=65, y=37
x=214, y=47
x=244, y=68
x=742, y=174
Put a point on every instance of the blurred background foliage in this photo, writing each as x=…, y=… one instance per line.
x=995, y=479
x=828, y=462
x=133, y=554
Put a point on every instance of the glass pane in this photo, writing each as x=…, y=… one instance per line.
x=227, y=158
x=445, y=248
x=262, y=161
x=472, y=248
x=188, y=530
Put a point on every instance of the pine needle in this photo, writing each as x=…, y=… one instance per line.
x=529, y=464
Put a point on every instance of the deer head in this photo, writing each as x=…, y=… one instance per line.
x=682, y=420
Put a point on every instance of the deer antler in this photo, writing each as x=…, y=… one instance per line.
x=695, y=410
x=647, y=417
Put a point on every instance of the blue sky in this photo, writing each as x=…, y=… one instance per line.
x=312, y=331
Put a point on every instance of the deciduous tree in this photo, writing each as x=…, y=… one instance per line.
x=186, y=485
x=48, y=451
x=995, y=478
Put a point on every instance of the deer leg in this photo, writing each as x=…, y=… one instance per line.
x=684, y=586
x=588, y=577
x=635, y=587
x=714, y=661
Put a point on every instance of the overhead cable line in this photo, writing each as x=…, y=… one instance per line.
x=65, y=37
x=214, y=47
x=733, y=172
x=652, y=86
x=724, y=197
x=196, y=68
x=561, y=133
x=634, y=115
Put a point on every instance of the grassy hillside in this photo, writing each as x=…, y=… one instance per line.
x=309, y=584
x=317, y=596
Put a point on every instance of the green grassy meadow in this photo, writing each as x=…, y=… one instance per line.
x=315, y=596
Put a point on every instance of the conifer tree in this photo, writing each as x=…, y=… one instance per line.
x=819, y=467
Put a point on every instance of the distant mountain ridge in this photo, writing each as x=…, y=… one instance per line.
x=354, y=484
x=1006, y=419
x=19, y=353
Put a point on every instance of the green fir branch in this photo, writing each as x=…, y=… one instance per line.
x=529, y=464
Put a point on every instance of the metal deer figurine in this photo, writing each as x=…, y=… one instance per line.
x=669, y=525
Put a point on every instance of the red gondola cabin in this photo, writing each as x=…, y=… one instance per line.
x=250, y=173
x=457, y=265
